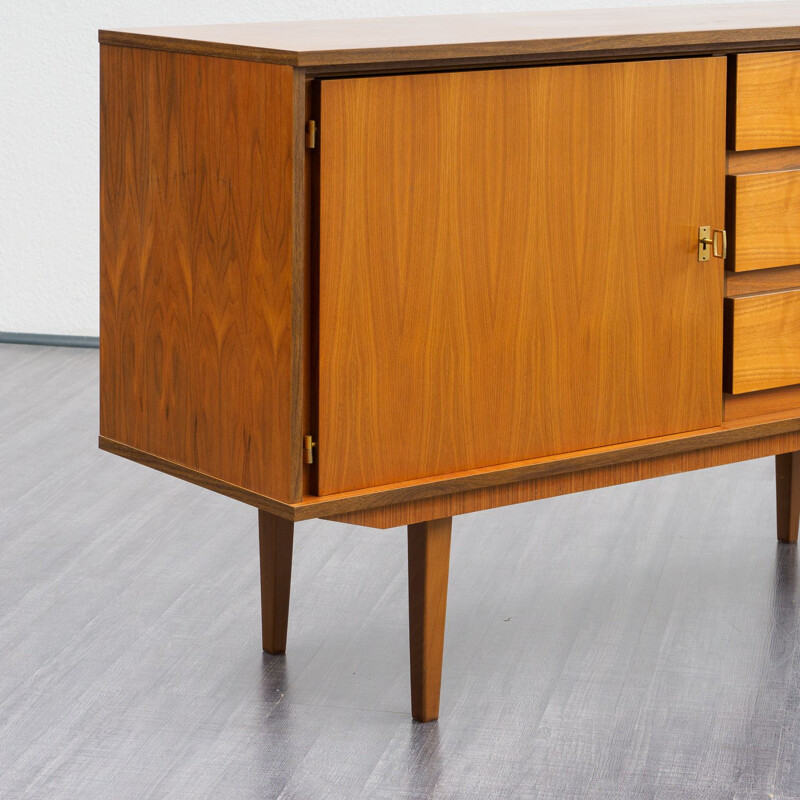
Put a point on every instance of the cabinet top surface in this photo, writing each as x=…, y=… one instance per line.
x=578, y=32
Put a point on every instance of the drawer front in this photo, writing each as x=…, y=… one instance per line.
x=767, y=92
x=762, y=341
x=765, y=224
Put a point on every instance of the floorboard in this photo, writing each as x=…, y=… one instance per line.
x=634, y=642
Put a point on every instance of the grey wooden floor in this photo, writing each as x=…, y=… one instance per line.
x=633, y=642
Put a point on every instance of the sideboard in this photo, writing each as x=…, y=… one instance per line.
x=386, y=272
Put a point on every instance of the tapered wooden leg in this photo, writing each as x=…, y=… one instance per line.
x=787, y=486
x=428, y=569
x=275, y=539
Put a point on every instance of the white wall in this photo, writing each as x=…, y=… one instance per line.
x=49, y=133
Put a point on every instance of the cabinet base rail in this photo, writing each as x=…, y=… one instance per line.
x=460, y=493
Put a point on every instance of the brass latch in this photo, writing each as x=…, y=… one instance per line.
x=708, y=243
x=311, y=134
x=308, y=448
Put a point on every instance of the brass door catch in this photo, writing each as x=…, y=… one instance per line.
x=708, y=243
x=308, y=448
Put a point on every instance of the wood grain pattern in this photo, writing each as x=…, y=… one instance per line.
x=568, y=34
x=751, y=161
x=428, y=571
x=769, y=401
x=787, y=492
x=742, y=436
x=764, y=225
x=275, y=542
x=465, y=502
x=762, y=280
x=460, y=326
x=767, y=100
x=201, y=334
x=762, y=335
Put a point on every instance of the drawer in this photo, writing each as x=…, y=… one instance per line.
x=762, y=341
x=766, y=88
x=763, y=217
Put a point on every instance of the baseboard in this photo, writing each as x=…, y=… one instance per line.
x=49, y=339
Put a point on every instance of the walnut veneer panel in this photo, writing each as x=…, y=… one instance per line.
x=767, y=112
x=508, y=264
x=765, y=220
x=763, y=341
x=615, y=32
x=197, y=359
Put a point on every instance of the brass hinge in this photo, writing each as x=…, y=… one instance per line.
x=311, y=134
x=308, y=448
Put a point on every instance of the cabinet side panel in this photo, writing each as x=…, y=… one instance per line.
x=196, y=263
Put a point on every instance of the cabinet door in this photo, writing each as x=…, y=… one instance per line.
x=508, y=264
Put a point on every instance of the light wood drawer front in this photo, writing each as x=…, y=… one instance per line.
x=767, y=87
x=765, y=220
x=762, y=341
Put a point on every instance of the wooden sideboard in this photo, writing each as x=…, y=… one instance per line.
x=387, y=272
